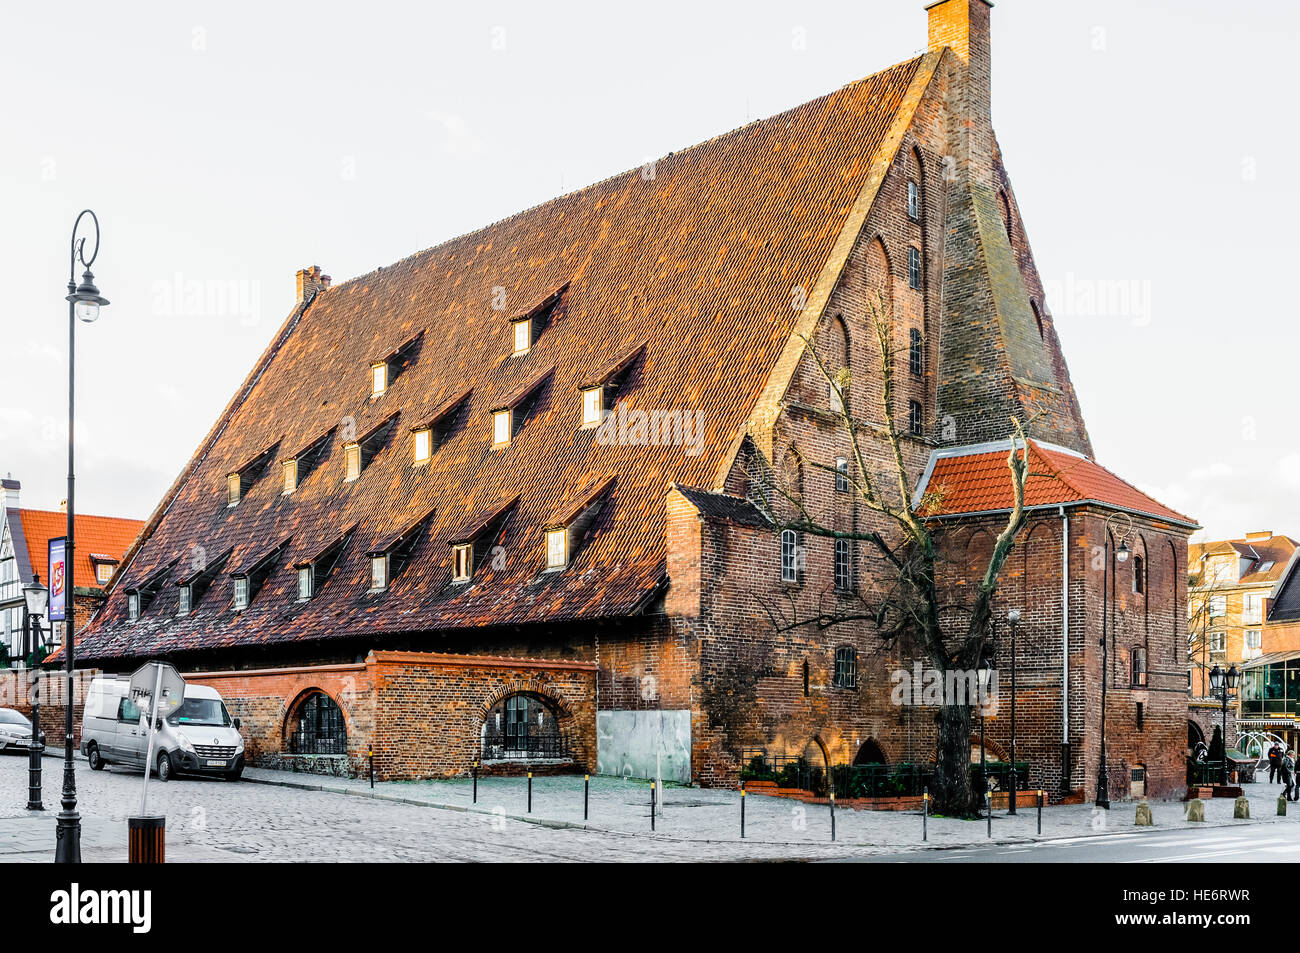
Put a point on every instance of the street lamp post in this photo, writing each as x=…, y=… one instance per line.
x=84, y=302
x=35, y=599
x=1107, y=580
x=985, y=676
x=1223, y=684
x=1014, y=618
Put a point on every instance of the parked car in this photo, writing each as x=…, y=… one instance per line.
x=15, y=730
x=199, y=737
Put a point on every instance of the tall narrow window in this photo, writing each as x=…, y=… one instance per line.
x=1139, y=665
x=1139, y=572
x=916, y=352
x=914, y=269
x=915, y=418
x=378, y=379
x=806, y=679
x=183, y=598
x=789, y=556
x=462, y=562
x=423, y=446
x=501, y=428
x=351, y=462
x=241, y=593
x=305, y=581
x=234, y=488
x=290, y=471
x=841, y=475
x=913, y=201
x=133, y=605
x=523, y=336
x=557, y=549
x=843, y=565
x=379, y=573
x=592, y=406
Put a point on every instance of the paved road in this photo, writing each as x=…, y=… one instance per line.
x=1269, y=843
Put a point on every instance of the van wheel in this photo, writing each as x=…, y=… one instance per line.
x=93, y=756
x=164, y=767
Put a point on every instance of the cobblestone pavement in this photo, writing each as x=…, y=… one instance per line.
x=270, y=817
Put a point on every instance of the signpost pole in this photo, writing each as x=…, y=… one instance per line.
x=148, y=760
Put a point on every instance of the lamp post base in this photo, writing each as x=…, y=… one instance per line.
x=67, y=838
x=34, y=778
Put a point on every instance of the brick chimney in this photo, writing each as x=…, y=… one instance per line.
x=963, y=27
x=11, y=488
x=1258, y=535
x=310, y=281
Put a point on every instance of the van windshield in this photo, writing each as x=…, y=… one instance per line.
x=210, y=712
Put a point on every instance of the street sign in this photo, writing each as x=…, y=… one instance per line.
x=158, y=689
x=163, y=677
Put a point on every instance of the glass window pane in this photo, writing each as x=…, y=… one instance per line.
x=591, y=406
x=422, y=445
x=501, y=427
x=556, y=548
x=523, y=336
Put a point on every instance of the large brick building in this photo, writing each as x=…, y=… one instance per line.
x=496, y=502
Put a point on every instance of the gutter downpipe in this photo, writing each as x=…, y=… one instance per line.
x=1065, y=651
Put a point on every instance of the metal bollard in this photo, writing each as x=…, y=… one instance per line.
x=371, y=755
x=832, y=817
x=925, y=814
x=653, y=807
x=586, y=794
x=742, y=811
x=988, y=811
x=475, y=782
x=530, y=792
x=1040, y=812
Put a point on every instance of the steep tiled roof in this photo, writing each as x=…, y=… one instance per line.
x=976, y=480
x=100, y=535
x=1267, y=556
x=722, y=506
x=695, y=261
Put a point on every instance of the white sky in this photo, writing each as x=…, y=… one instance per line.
x=229, y=144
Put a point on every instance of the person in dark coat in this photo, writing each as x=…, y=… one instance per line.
x=1274, y=759
x=1288, y=776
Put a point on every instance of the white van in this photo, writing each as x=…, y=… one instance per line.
x=200, y=737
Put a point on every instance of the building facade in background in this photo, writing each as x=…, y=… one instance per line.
x=497, y=502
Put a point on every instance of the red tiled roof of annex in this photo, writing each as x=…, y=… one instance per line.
x=980, y=482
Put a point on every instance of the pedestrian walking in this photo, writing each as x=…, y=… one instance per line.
x=1288, y=775
x=1274, y=762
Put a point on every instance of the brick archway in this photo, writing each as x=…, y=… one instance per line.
x=291, y=710
x=993, y=749
x=530, y=686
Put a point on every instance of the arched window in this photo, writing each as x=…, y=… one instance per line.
x=1139, y=575
x=846, y=667
x=522, y=727
x=836, y=361
x=317, y=727
x=789, y=556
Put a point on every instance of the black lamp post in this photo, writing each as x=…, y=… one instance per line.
x=1223, y=684
x=1108, y=580
x=35, y=598
x=1014, y=618
x=84, y=302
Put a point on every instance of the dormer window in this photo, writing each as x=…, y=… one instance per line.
x=526, y=328
x=240, y=481
x=295, y=469
x=523, y=336
x=139, y=598
x=104, y=566
x=567, y=531
x=248, y=578
x=133, y=606
x=433, y=431
x=475, y=538
x=601, y=391
x=358, y=454
x=312, y=572
x=385, y=370
x=509, y=416
x=391, y=554
x=184, y=600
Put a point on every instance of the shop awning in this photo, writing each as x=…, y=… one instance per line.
x=1272, y=658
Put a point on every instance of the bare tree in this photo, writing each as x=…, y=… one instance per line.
x=905, y=602
x=1206, y=625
